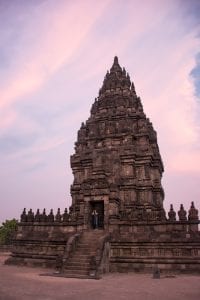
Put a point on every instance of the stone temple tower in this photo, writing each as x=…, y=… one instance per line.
x=117, y=166
x=117, y=172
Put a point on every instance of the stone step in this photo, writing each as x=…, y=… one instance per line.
x=92, y=235
x=82, y=255
x=93, y=231
x=84, y=252
x=76, y=267
x=76, y=272
x=91, y=245
x=87, y=247
x=76, y=263
x=89, y=241
x=78, y=276
x=86, y=244
x=90, y=238
x=68, y=275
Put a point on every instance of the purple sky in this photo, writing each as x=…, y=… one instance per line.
x=53, y=58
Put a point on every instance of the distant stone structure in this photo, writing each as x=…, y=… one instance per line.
x=117, y=171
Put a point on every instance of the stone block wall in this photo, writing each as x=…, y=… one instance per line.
x=143, y=257
x=170, y=246
x=40, y=244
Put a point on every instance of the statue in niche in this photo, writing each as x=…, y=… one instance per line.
x=145, y=214
x=154, y=149
x=147, y=171
x=117, y=127
x=142, y=126
x=92, y=130
x=143, y=144
x=94, y=107
x=140, y=173
x=112, y=128
x=133, y=214
x=102, y=128
x=123, y=126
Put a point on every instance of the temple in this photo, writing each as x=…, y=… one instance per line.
x=117, y=222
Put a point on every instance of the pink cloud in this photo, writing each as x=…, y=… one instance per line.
x=7, y=117
x=164, y=85
x=54, y=40
x=152, y=42
x=184, y=161
x=48, y=144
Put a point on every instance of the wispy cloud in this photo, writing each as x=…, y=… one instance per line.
x=195, y=73
x=54, y=57
x=50, y=38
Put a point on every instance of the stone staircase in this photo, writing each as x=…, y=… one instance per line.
x=79, y=264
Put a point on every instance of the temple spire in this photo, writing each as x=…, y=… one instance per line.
x=115, y=67
x=117, y=80
x=116, y=60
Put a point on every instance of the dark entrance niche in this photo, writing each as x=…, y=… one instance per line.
x=99, y=207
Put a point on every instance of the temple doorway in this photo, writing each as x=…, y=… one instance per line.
x=97, y=206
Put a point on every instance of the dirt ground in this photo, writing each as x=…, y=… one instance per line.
x=23, y=283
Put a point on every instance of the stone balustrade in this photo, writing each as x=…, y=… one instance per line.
x=66, y=217
x=192, y=214
x=43, y=217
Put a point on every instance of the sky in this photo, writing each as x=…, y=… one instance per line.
x=54, y=55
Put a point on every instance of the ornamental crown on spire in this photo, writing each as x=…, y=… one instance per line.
x=116, y=79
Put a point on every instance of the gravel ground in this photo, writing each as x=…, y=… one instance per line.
x=23, y=283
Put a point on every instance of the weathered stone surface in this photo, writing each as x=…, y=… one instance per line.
x=117, y=171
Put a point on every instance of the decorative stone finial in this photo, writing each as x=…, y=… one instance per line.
x=58, y=216
x=30, y=216
x=182, y=214
x=44, y=216
x=172, y=214
x=23, y=216
x=116, y=60
x=133, y=89
x=193, y=213
x=51, y=216
x=115, y=67
x=65, y=215
x=37, y=216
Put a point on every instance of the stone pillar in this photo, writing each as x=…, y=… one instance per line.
x=86, y=214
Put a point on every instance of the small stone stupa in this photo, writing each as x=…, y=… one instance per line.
x=117, y=221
